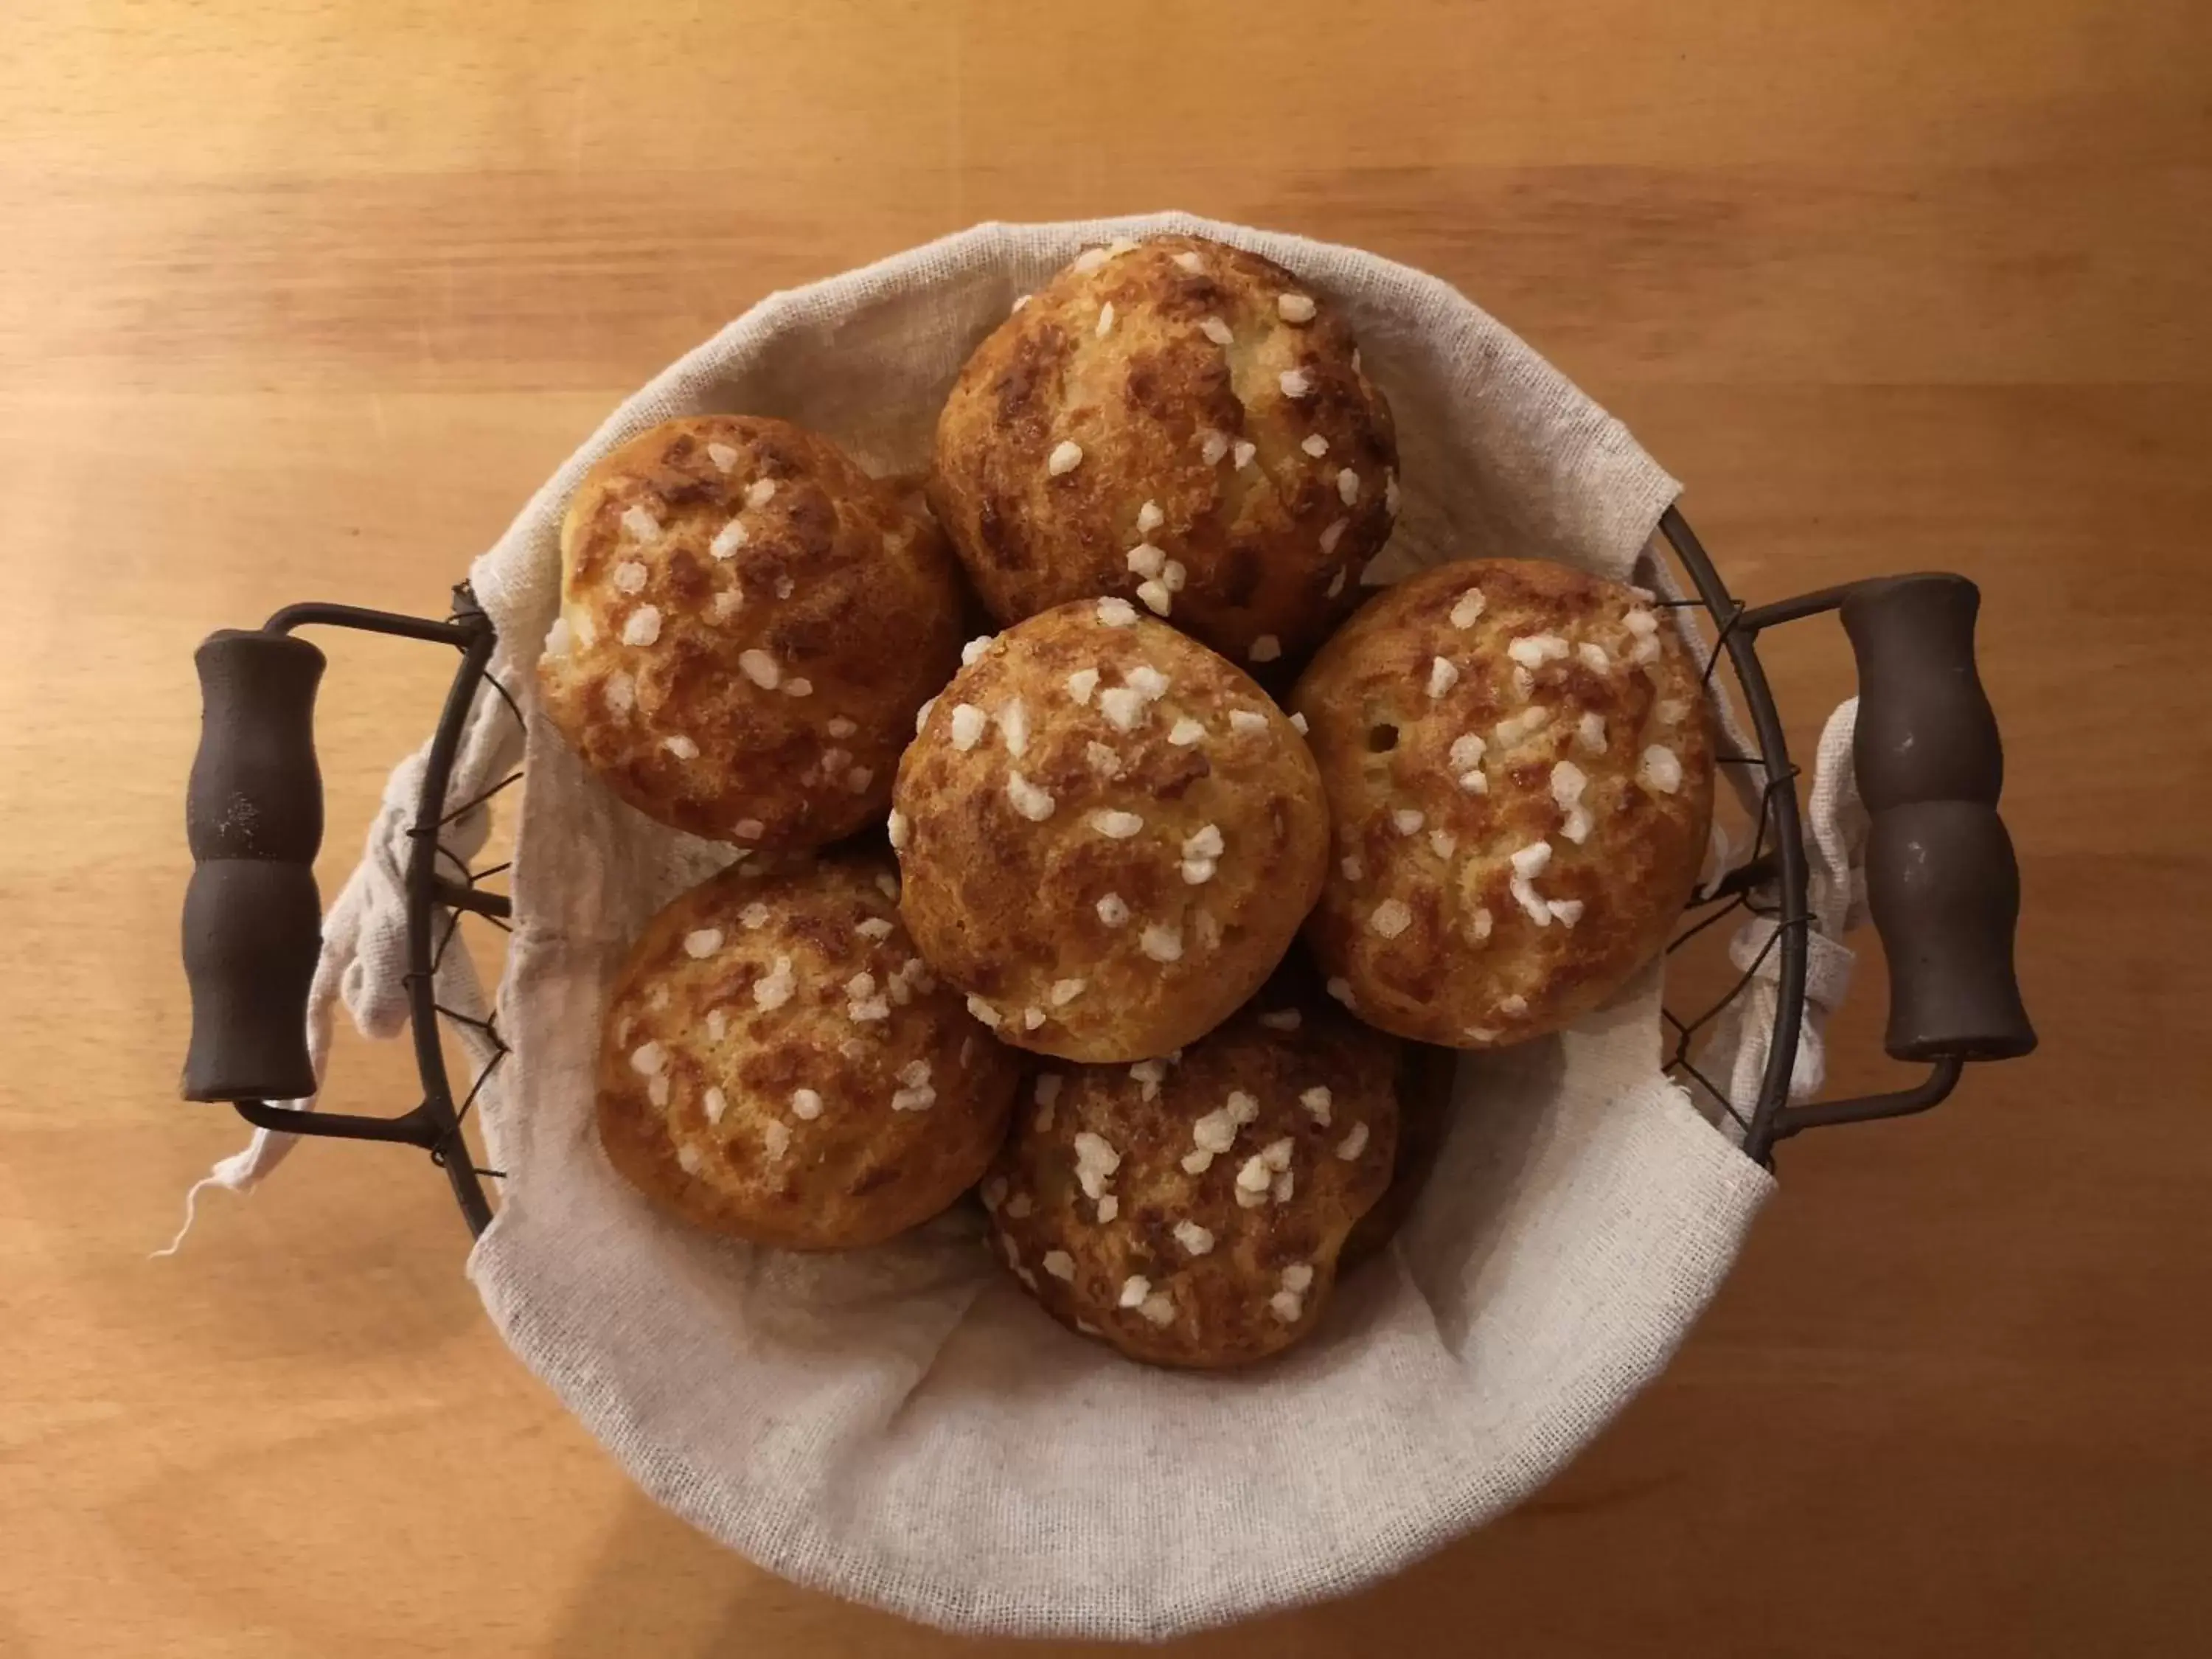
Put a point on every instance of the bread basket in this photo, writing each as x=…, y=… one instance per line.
x=900, y=1426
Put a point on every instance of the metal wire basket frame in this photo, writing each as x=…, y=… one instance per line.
x=441, y=888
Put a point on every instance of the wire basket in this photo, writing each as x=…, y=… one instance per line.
x=1942, y=882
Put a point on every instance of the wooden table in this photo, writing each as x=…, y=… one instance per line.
x=303, y=299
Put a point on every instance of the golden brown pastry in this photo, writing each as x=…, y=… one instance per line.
x=1181, y=424
x=1110, y=834
x=1520, y=769
x=1190, y=1209
x=748, y=624
x=777, y=1063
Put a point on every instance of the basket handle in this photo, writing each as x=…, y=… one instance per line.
x=1942, y=882
x=254, y=816
x=253, y=927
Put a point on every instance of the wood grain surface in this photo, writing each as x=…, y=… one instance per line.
x=302, y=298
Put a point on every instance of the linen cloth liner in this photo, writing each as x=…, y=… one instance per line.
x=901, y=1426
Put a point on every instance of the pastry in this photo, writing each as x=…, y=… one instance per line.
x=1519, y=764
x=1189, y=1210
x=748, y=624
x=1109, y=833
x=777, y=1063
x=1181, y=424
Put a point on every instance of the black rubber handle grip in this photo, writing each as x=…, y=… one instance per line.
x=254, y=814
x=1941, y=879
